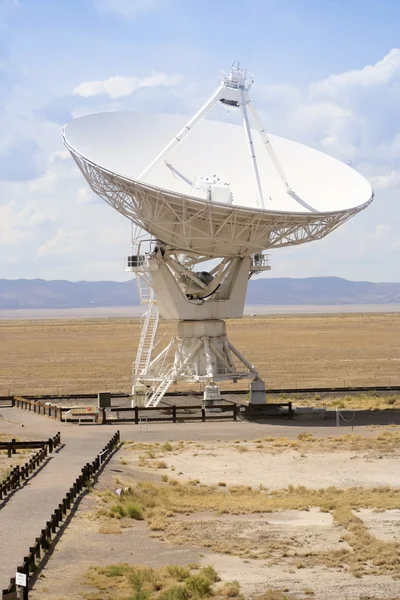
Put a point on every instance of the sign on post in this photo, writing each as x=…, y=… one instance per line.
x=20, y=579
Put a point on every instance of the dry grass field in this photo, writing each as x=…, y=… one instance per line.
x=66, y=356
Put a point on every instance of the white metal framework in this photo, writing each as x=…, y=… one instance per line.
x=201, y=223
x=207, y=228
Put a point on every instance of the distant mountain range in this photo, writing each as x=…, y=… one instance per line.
x=38, y=293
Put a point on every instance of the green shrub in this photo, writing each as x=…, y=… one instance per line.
x=167, y=447
x=199, y=586
x=115, y=571
x=140, y=595
x=117, y=509
x=176, y=592
x=142, y=575
x=230, y=589
x=179, y=573
x=133, y=511
x=210, y=573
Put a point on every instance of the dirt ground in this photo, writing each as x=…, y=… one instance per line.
x=73, y=355
x=274, y=469
x=342, y=540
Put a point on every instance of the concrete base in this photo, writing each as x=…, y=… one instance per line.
x=258, y=393
x=138, y=397
x=211, y=396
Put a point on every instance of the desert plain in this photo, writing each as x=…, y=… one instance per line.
x=90, y=355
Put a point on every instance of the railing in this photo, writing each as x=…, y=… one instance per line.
x=43, y=543
x=183, y=414
x=172, y=414
x=21, y=473
x=36, y=406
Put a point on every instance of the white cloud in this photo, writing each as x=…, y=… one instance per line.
x=64, y=242
x=119, y=87
x=128, y=8
x=381, y=73
x=386, y=181
x=18, y=224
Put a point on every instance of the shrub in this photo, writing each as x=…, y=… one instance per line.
x=305, y=436
x=210, y=573
x=117, y=510
x=199, y=586
x=115, y=571
x=179, y=573
x=133, y=511
x=230, y=589
x=141, y=576
x=167, y=447
x=161, y=464
x=176, y=592
x=140, y=595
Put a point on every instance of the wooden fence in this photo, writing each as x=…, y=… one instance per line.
x=21, y=473
x=13, y=446
x=40, y=407
x=43, y=543
x=226, y=410
x=172, y=414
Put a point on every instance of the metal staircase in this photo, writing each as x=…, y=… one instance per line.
x=148, y=327
x=156, y=393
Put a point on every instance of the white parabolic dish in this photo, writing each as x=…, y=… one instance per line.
x=112, y=149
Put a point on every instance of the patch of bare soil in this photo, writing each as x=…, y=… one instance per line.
x=268, y=536
x=385, y=524
x=276, y=463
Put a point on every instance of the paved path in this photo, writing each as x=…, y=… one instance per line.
x=26, y=512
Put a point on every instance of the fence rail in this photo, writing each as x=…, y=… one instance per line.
x=41, y=408
x=172, y=414
x=43, y=543
x=21, y=473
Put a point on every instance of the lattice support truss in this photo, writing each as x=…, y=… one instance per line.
x=209, y=229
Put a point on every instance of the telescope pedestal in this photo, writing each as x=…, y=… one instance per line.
x=199, y=301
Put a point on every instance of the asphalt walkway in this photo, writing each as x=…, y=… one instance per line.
x=24, y=514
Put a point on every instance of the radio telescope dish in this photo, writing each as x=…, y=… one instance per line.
x=206, y=189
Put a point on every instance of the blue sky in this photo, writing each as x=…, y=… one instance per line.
x=326, y=74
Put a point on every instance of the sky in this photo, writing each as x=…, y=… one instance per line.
x=327, y=74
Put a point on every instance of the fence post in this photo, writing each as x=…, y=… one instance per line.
x=25, y=590
x=235, y=412
x=203, y=414
x=174, y=414
x=136, y=415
